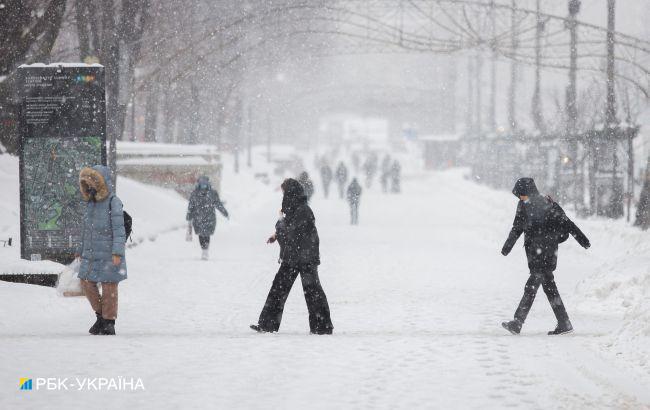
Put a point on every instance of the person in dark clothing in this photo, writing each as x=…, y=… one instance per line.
x=326, y=177
x=386, y=168
x=307, y=184
x=354, y=195
x=299, y=255
x=370, y=168
x=341, y=178
x=396, y=177
x=201, y=213
x=544, y=225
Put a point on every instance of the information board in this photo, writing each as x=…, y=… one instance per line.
x=63, y=129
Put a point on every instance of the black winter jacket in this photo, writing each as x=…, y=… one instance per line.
x=544, y=225
x=298, y=238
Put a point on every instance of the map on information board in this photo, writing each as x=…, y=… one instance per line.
x=53, y=201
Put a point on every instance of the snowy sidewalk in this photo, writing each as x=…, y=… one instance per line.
x=417, y=294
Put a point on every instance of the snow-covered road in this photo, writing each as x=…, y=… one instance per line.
x=417, y=294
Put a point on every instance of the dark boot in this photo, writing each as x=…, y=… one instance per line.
x=260, y=329
x=512, y=326
x=97, y=327
x=108, y=328
x=322, y=332
x=561, y=329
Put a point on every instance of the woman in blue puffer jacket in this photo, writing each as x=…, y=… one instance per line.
x=102, y=246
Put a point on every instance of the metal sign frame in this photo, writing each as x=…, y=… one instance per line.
x=59, y=104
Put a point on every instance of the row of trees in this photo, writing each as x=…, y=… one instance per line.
x=190, y=72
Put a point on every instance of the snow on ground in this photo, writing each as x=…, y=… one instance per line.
x=417, y=294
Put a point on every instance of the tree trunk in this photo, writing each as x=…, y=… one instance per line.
x=643, y=208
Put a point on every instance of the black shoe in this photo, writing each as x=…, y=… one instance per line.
x=97, y=327
x=561, y=329
x=260, y=329
x=322, y=332
x=512, y=326
x=108, y=328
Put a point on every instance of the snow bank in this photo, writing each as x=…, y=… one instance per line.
x=11, y=265
x=622, y=285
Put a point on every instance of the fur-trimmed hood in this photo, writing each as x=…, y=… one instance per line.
x=97, y=177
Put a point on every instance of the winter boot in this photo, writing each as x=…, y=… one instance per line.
x=108, y=328
x=561, y=329
x=513, y=326
x=204, y=255
x=322, y=331
x=260, y=329
x=97, y=327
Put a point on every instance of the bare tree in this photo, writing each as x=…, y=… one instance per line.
x=28, y=30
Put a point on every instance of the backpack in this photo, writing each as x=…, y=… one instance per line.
x=128, y=220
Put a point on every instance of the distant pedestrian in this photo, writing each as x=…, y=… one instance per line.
x=396, y=177
x=201, y=213
x=307, y=184
x=354, y=197
x=341, y=178
x=102, y=247
x=326, y=177
x=544, y=225
x=370, y=168
x=386, y=169
x=296, y=233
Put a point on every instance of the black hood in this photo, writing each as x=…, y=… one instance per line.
x=294, y=196
x=525, y=186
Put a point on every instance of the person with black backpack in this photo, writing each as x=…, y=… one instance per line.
x=102, y=249
x=544, y=225
x=201, y=213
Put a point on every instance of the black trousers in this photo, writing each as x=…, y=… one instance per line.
x=319, y=311
x=547, y=280
x=204, y=241
x=354, y=213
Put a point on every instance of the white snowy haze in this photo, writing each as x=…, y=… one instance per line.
x=434, y=107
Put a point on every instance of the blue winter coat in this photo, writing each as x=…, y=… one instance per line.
x=103, y=228
x=201, y=208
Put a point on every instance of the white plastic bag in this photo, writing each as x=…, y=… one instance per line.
x=69, y=284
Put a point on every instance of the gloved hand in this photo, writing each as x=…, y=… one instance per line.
x=188, y=237
x=504, y=252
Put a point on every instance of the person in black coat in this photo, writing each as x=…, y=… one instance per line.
x=341, y=178
x=299, y=255
x=326, y=176
x=354, y=196
x=201, y=213
x=544, y=225
x=307, y=184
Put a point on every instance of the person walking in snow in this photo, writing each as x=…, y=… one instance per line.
x=103, y=261
x=386, y=168
x=326, y=177
x=353, y=196
x=297, y=236
x=341, y=178
x=307, y=184
x=544, y=225
x=370, y=168
x=396, y=177
x=201, y=214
